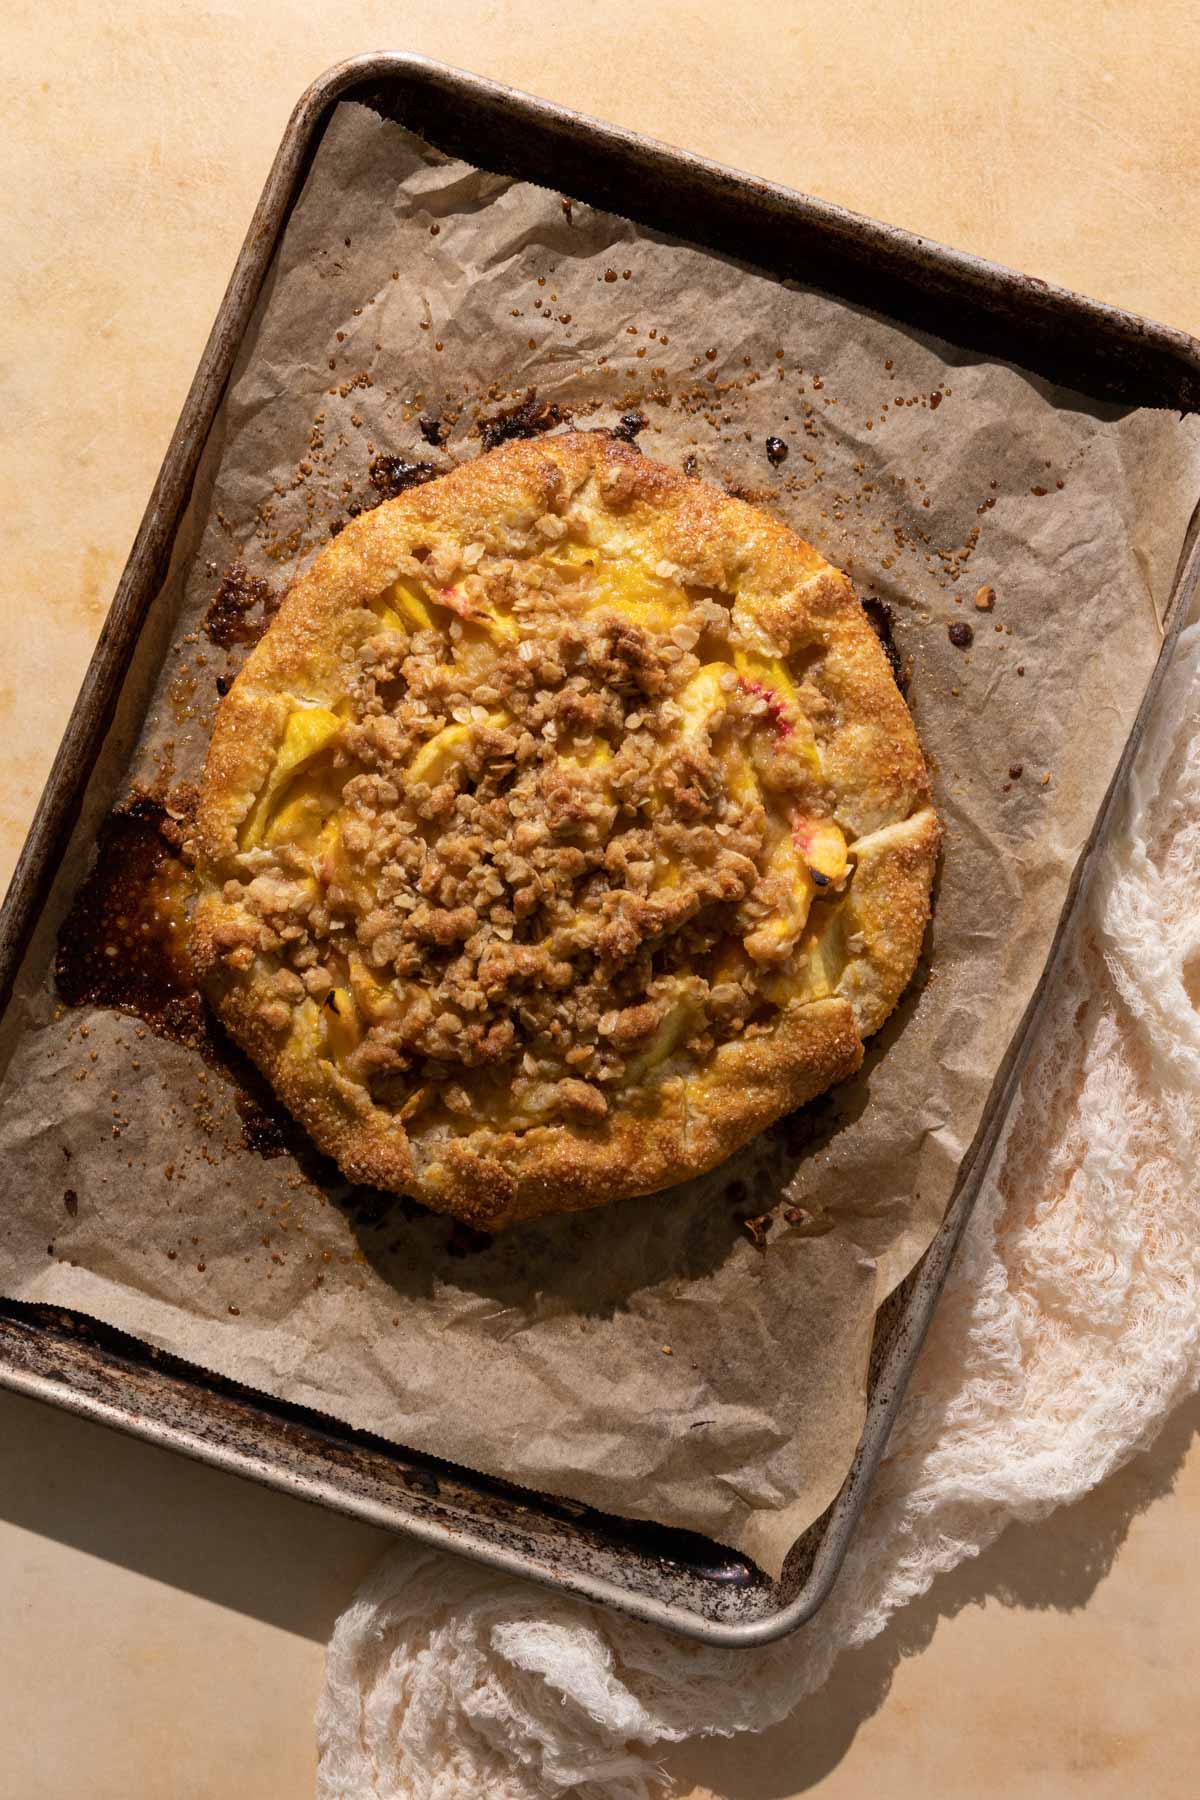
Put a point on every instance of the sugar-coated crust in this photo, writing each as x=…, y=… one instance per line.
x=689, y=1112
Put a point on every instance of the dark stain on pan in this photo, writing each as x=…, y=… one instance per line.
x=123, y=942
x=123, y=945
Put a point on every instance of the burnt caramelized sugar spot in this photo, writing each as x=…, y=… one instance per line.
x=240, y=610
x=528, y=419
x=123, y=944
x=394, y=475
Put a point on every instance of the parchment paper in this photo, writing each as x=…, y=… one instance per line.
x=651, y=1359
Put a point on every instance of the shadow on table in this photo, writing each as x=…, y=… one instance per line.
x=295, y=1566
x=1056, y=1564
x=290, y=1564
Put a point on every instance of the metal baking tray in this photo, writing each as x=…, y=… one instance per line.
x=671, y=1578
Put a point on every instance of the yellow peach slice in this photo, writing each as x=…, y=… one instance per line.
x=622, y=587
x=309, y=730
x=298, y=820
x=768, y=677
x=408, y=607
x=343, y=1028
x=674, y=1028
x=374, y=1000
x=434, y=760
x=703, y=701
x=823, y=848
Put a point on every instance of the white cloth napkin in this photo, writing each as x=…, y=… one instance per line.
x=1068, y=1330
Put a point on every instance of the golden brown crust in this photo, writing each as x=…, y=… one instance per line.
x=746, y=853
x=690, y=1126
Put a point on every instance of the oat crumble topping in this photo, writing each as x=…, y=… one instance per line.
x=560, y=828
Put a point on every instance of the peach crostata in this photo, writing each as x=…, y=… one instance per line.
x=565, y=829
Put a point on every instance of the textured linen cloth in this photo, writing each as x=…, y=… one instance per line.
x=1067, y=1331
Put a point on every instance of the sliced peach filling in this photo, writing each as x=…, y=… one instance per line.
x=309, y=731
x=447, y=748
x=767, y=678
x=407, y=606
x=625, y=588
x=683, y=1017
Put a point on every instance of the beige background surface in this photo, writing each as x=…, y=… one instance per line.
x=163, y=1624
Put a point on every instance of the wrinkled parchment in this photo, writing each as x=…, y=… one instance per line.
x=650, y=1358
